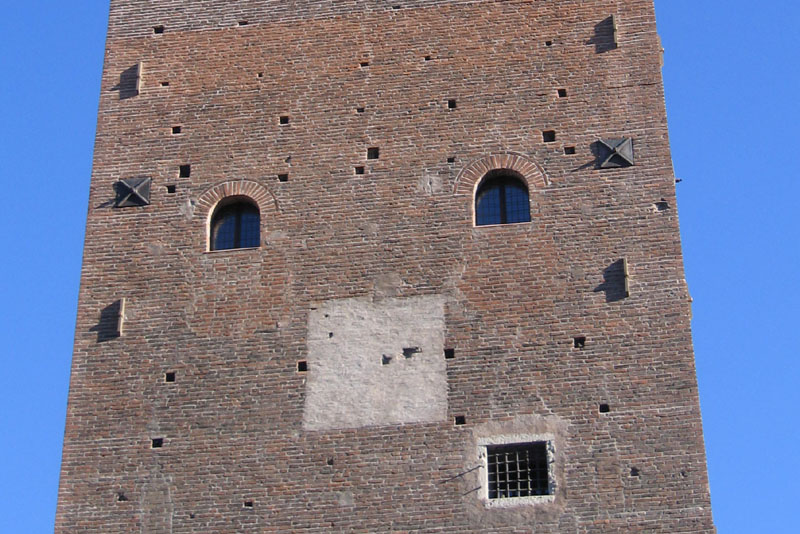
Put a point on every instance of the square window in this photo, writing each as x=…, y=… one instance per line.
x=518, y=470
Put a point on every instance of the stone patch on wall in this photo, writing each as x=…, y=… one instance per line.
x=373, y=363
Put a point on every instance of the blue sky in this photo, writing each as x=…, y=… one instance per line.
x=731, y=75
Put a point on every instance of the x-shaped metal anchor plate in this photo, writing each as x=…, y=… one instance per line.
x=133, y=192
x=619, y=153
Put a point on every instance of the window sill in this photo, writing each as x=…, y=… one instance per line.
x=501, y=225
x=233, y=250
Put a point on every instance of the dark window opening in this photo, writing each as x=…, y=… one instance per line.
x=373, y=153
x=359, y=110
x=460, y=420
x=502, y=198
x=242, y=23
x=518, y=470
x=283, y=177
x=569, y=150
x=451, y=104
x=248, y=504
x=157, y=443
x=169, y=377
x=284, y=119
x=184, y=171
x=176, y=130
x=451, y=160
x=235, y=225
x=364, y=63
x=359, y=170
x=605, y=408
x=579, y=342
x=548, y=136
x=562, y=93
x=302, y=366
x=449, y=354
x=171, y=188
x=409, y=352
x=164, y=84
x=158, y=29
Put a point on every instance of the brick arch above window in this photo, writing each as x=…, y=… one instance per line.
x=471, y=175
x=259, y=194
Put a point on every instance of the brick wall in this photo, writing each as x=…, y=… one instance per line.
x=232, y=325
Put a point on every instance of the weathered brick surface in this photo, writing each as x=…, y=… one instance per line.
x=232, y=325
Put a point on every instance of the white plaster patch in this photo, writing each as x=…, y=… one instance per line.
x=358, y=374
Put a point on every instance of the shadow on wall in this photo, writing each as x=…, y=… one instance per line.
x=613, y=282
x=604, y=39
x=108, y=326
x=128, y=83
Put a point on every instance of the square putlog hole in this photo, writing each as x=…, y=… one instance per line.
x=284, y=119
x=171, y=189
x=156, y=443
x=359, y=170
x=283, y=177
x=302, y=366
x=569, y=150
x=158, y=29
x=605, y=408
x=549, y=136
x=460, y=420
x=449, y=354
x=562, y=93
x=169, y=377
x=451, y=104
x=579, y=342
x=451, y=160
x=176, y=130
x=184, y=171
x=373, y=153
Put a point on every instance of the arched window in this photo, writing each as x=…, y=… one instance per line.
x=502, y=198
x=235, y=224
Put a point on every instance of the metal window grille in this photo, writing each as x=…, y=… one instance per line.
x=518, y=470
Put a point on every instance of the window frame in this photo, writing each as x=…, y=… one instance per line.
x=503, y=175
x=518, y=439
x=225, y=204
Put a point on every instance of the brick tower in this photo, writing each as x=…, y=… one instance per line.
x=367, y=266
